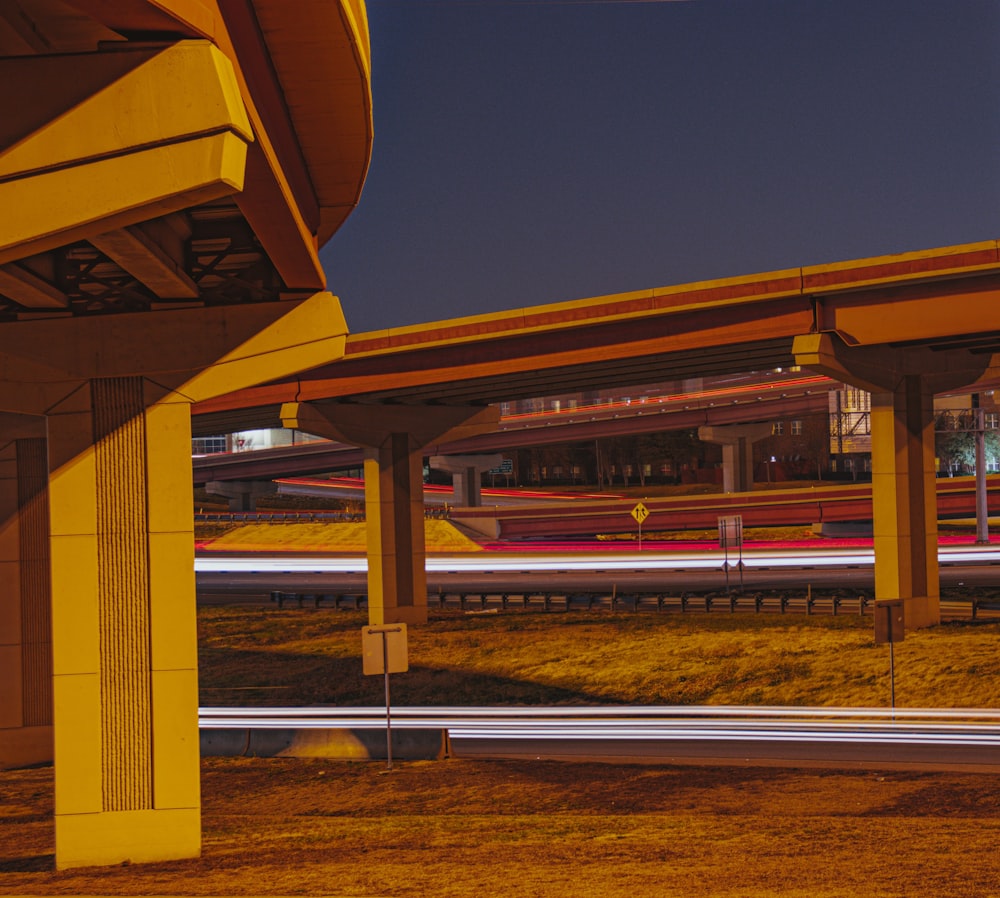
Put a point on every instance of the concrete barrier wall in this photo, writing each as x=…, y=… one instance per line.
x=342, y=744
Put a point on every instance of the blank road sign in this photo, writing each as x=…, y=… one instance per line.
x=890, y=623
x=731, y=531
x=383, y=649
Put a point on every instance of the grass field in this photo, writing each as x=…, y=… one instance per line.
x=340, y=537
x=459, y=829
x=263, y=655
x=463, y=829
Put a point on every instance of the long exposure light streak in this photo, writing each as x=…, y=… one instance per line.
x=882, y=726
x=632, y=561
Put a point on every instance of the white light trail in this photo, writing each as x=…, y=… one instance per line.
x=870, y=726
x=494, y=562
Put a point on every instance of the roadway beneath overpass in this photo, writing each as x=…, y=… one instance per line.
x=903, y=327
x=765, y=401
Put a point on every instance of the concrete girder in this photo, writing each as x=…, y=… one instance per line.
x=70, y=173
x=393, y=438
x=902, y=383
x=150, y=260
x=29, y=290
x=43, y=361
x=918, y=314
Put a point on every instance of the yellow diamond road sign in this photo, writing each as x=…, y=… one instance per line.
x=640, y=512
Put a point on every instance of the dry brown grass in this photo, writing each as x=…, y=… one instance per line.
x=307, y=656
x=338, y=537
x=465, y=829
x=457, y=829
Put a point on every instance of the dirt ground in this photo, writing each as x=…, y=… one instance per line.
x=458, y=829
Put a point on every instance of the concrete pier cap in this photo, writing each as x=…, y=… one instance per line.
x=737, y=451
x=466, y=472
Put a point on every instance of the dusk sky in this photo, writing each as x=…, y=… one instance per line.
x=537, y=151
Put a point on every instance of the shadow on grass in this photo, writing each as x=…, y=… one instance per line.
x=39, y=863
x=230, y=677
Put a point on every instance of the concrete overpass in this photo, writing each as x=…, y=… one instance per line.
x=804, y=506
x=769, y=402
x=903, y=327
x=168, y=169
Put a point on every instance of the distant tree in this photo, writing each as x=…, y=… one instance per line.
x=674, y=447
x=956, y=450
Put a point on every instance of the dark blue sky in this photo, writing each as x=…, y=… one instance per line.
x=529, y=151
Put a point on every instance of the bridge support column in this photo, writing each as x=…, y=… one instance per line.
x=466, y=475
x=902, y=384
x=242, y=494
x=121, y=539
x=125, y=647
x=393, y=438
x=25, y=595
x=394, y=511
x=904, y=500
x=737, y=452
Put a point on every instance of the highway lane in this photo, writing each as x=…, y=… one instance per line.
x=871, y=738
x=648, y=571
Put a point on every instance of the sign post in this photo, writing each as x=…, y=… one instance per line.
x=731, y=534
x=506, y=467
x=890, y=627
x=640, y=513
x=384, y=651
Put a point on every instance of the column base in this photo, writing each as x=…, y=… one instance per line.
x=921, y=611
x=405, y=614
x=114, y=837
x=26, y=747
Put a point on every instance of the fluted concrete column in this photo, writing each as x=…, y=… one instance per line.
x=25, y=597
x=124, y=641
x=124, y=637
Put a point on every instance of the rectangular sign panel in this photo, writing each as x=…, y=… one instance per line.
x=889, y=622
x=731, y=531
x=384, y=649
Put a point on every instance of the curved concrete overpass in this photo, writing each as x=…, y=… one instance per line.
x=168, y=171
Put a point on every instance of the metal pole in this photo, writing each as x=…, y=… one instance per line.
x=892, y=664
x=741, y=557
x=982, y=515
x=724, y=543
x=840, y=430
x=388, y=713
x=892, y=677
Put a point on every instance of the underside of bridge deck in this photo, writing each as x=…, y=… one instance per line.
x=163, y=201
